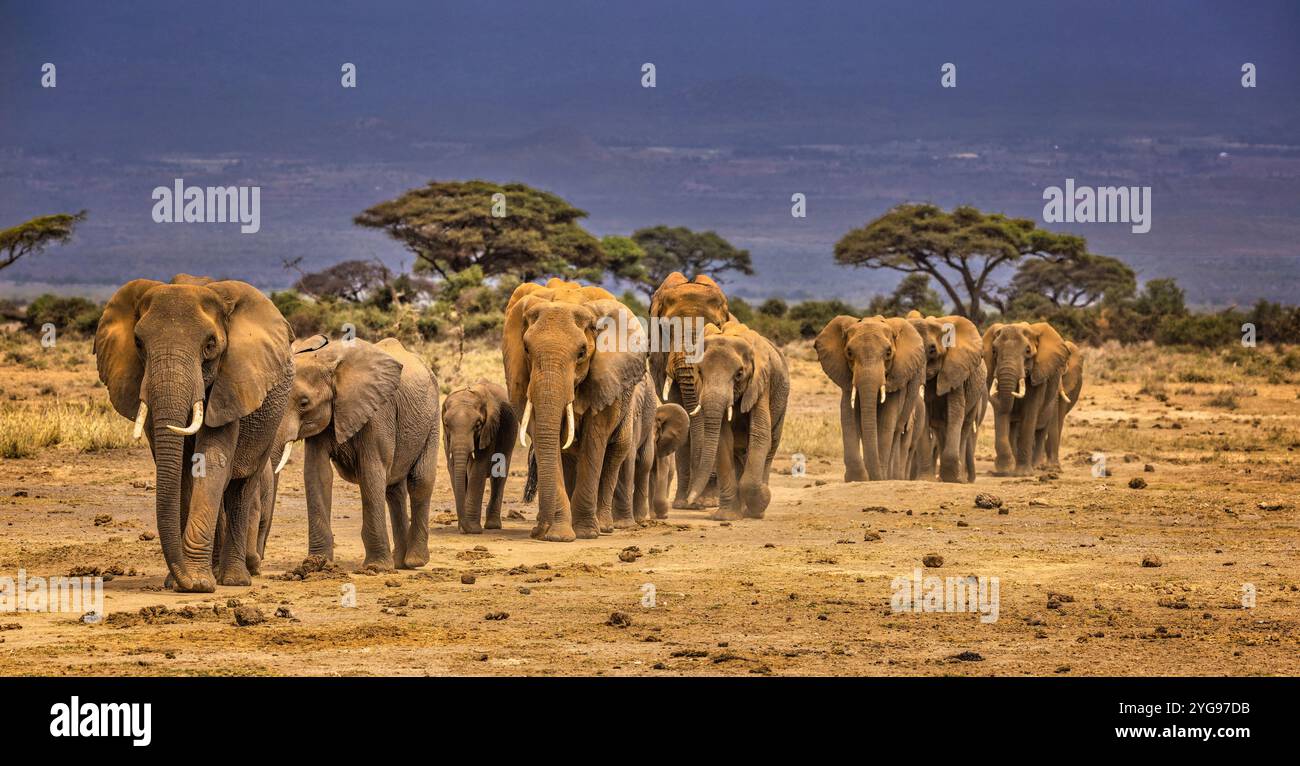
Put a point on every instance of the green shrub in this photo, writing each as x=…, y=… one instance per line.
x=67, y=314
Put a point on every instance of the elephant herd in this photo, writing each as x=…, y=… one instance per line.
x=913, y=394
x=211, y=373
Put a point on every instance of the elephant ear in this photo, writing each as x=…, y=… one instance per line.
x=119, y=363
x=673, y=280
x=258, y=348
x=1052, y=353
x=190, y=279
x=759, y=381
x=613, y=372
x=512, y=344
x=909, y=354
x=365, y=379
x=830, y=345
x=672, y=424
x=487, y=433
x=990, y=335
x=963, y=359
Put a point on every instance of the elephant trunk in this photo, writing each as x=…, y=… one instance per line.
x=708, y=425
x=1010, y=382
x=551, y=393
x=868, y=386
x=458, y=451
x=173, y=385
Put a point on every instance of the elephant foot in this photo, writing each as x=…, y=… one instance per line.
x=493, y=521
x=555, y=533
x=235, y=575
x=254, y=564
x=725, y=514
x=378, y=562
x=625, y=522
x=1001, y=468
x=590, y=530
x=851, y=475
x=415, y=559
x=471, y=529
x=755, y=513
x=201, y=583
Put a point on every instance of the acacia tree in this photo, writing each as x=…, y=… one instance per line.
x=1073, y=282
x=453, y=225
x=35, y=235
x=960, y=249
x=676, y=248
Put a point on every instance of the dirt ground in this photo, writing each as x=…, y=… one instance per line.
x=804, y=591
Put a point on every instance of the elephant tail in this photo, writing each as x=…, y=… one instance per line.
x=530, y=486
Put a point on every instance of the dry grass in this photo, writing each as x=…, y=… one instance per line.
x=27, y=428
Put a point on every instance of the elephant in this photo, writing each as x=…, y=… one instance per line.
x=370, y=410
x=879, y=365
x=693, y=303
x=917, y=455
x=1047, y=441
x=1025, y=362
x=573, y=389
x=955, y=395
x=479, y=431
x=672, y=428
x=632, y=493
x=743, y=376
x=204, y=369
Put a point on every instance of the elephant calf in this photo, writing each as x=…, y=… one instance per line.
x=479, y=429
x=672, y=427
x=372, y=411
x=1047, y=440
x=658, y=431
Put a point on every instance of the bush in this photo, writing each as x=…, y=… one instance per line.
x=67, y=314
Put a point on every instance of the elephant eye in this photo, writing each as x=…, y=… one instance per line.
x=303, y=402
x=1029, y=352
x=139, y=344
x=211, y=345
x=582, y=353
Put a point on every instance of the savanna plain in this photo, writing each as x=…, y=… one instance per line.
x=1145, y=565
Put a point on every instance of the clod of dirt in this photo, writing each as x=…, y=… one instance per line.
x=1148, y=468
x=392, y=583
x=985, y=500
x=103, y=519
x=1275, y=506
x=1152, y=560
x=1137, y=482
x=961, y=523
x=629, y=554
x=1064, y=669
x=496, y=615
x=1004, y=511
x=875, y=509
x=870, y=537
x=147, y=536
x=11, y=626
x=467, y=579
x=285, y=613
x=968, y=656
x=478, y=553
x=516, y=516
x=249, y=615
x=20, y=493
x=619, y=620
x=932, y=560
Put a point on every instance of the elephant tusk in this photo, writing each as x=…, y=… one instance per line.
x=523, y=425
x=728, y=413
x=284, y=458
x=882, y=394
x=668, y=385
x=140, y=417
x=696, y=411
x=1020, y=391
x=196, y=421
x=993, y=389
x=853, y=397
x=568, y=441
x=921, y=391
x=1065, y=396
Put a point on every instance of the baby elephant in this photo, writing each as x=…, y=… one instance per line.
x=370, y=409
x=479, y=428
x=672, y=426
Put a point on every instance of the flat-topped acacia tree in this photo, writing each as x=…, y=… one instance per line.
x=451, y=226
x=960, y=249
x=33, y=236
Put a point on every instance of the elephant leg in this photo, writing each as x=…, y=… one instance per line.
x=237, y=501
x=206, y=494
x=374, y=527
x=1054, y=442
x=755, y=495
x=399, y=515
x=1039, y=459
x=1025, y=434
x=268, y=514
x=592, y=472
x=951, y=454
x=1005, y=462
x=497, y=492
x=419, y=490
x=641, y=481
x=729, y=507
x=251, y=558
x=615, y=470
x=968, y=440
x=661, y=477
x=683, y=460
x=851, y=436
x=624, y=489
x=479, y=471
